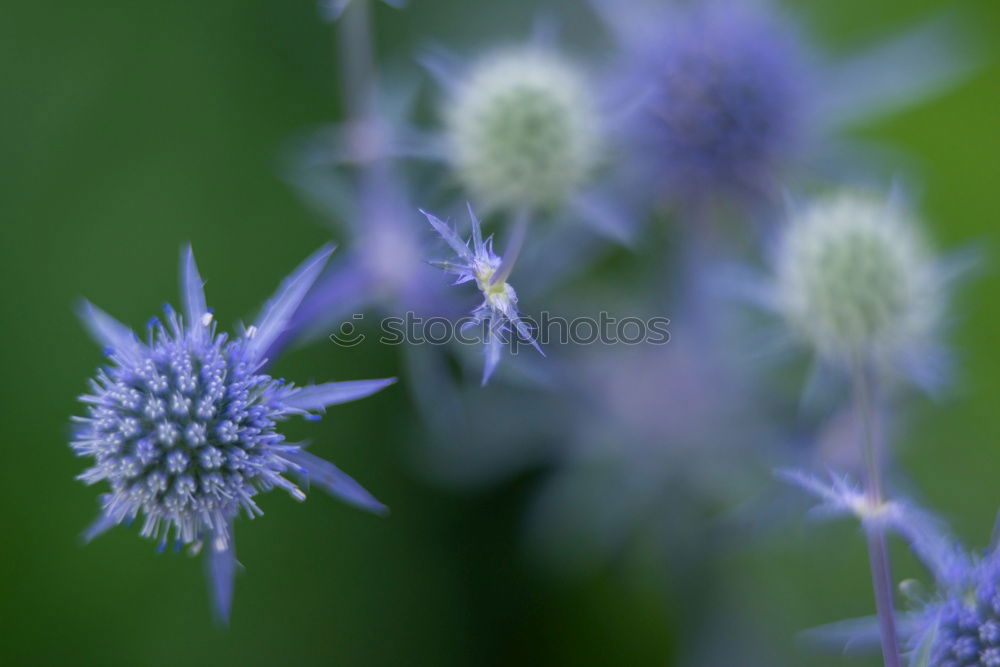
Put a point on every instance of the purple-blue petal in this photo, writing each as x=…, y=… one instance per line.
x=494, y=346
x=320, y=396
x=281, y=308
x=221, y=571
x=450, y=236
x=101, y=525
x=335, y=481
x=192, y=293
x=109, y=332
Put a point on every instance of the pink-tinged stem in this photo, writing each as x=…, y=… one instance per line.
x=878, y=554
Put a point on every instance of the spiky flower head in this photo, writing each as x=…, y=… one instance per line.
x=523, y=130
x=855, y=280
x=489, y=271
x=962, y=627
x=184, y=425
x=959, y=625
x=722, y=87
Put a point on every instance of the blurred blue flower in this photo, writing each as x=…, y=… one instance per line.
x=351, y=174
x=654, y=435
x=721, y=89
x=382, y=268
x=499, y=307
x=961, y=626
x=183, y=426
x=839, y=497
x=957, y=625
x=727, y=95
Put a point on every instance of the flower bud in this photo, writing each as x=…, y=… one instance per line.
x=523, y=130
x=855, y=280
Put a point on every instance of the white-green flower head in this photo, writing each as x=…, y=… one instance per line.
x=856, y=281
x=523, y=130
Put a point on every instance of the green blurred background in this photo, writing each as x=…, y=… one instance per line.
x=130, y=128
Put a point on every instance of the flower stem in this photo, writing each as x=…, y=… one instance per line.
x=512, y=250
x=878, y=555
x=358, y=74
x=359, y=84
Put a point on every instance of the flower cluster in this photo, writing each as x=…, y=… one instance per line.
x=705, y=107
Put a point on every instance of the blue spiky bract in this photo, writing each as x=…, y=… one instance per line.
x=958, y=626
x=183, y=426
x=723, y=88
x=489, y=271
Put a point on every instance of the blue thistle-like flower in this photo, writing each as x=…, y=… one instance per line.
x=728, y=93
x=722, y=89
x=490, y=272
x=962, y=626
x=959, y=625
x=183, y=425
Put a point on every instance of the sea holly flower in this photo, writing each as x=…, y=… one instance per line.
x=730, y=96
x=721, y=90
x=481, y=265
x=961, y=625
x=955, y=625
x=183, y=425
x=522, y=130
x=856, y=281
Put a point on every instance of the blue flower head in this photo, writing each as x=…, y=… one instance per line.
x=184, y=425
x=721, y=88
x=490, y=272
x=962, y=626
